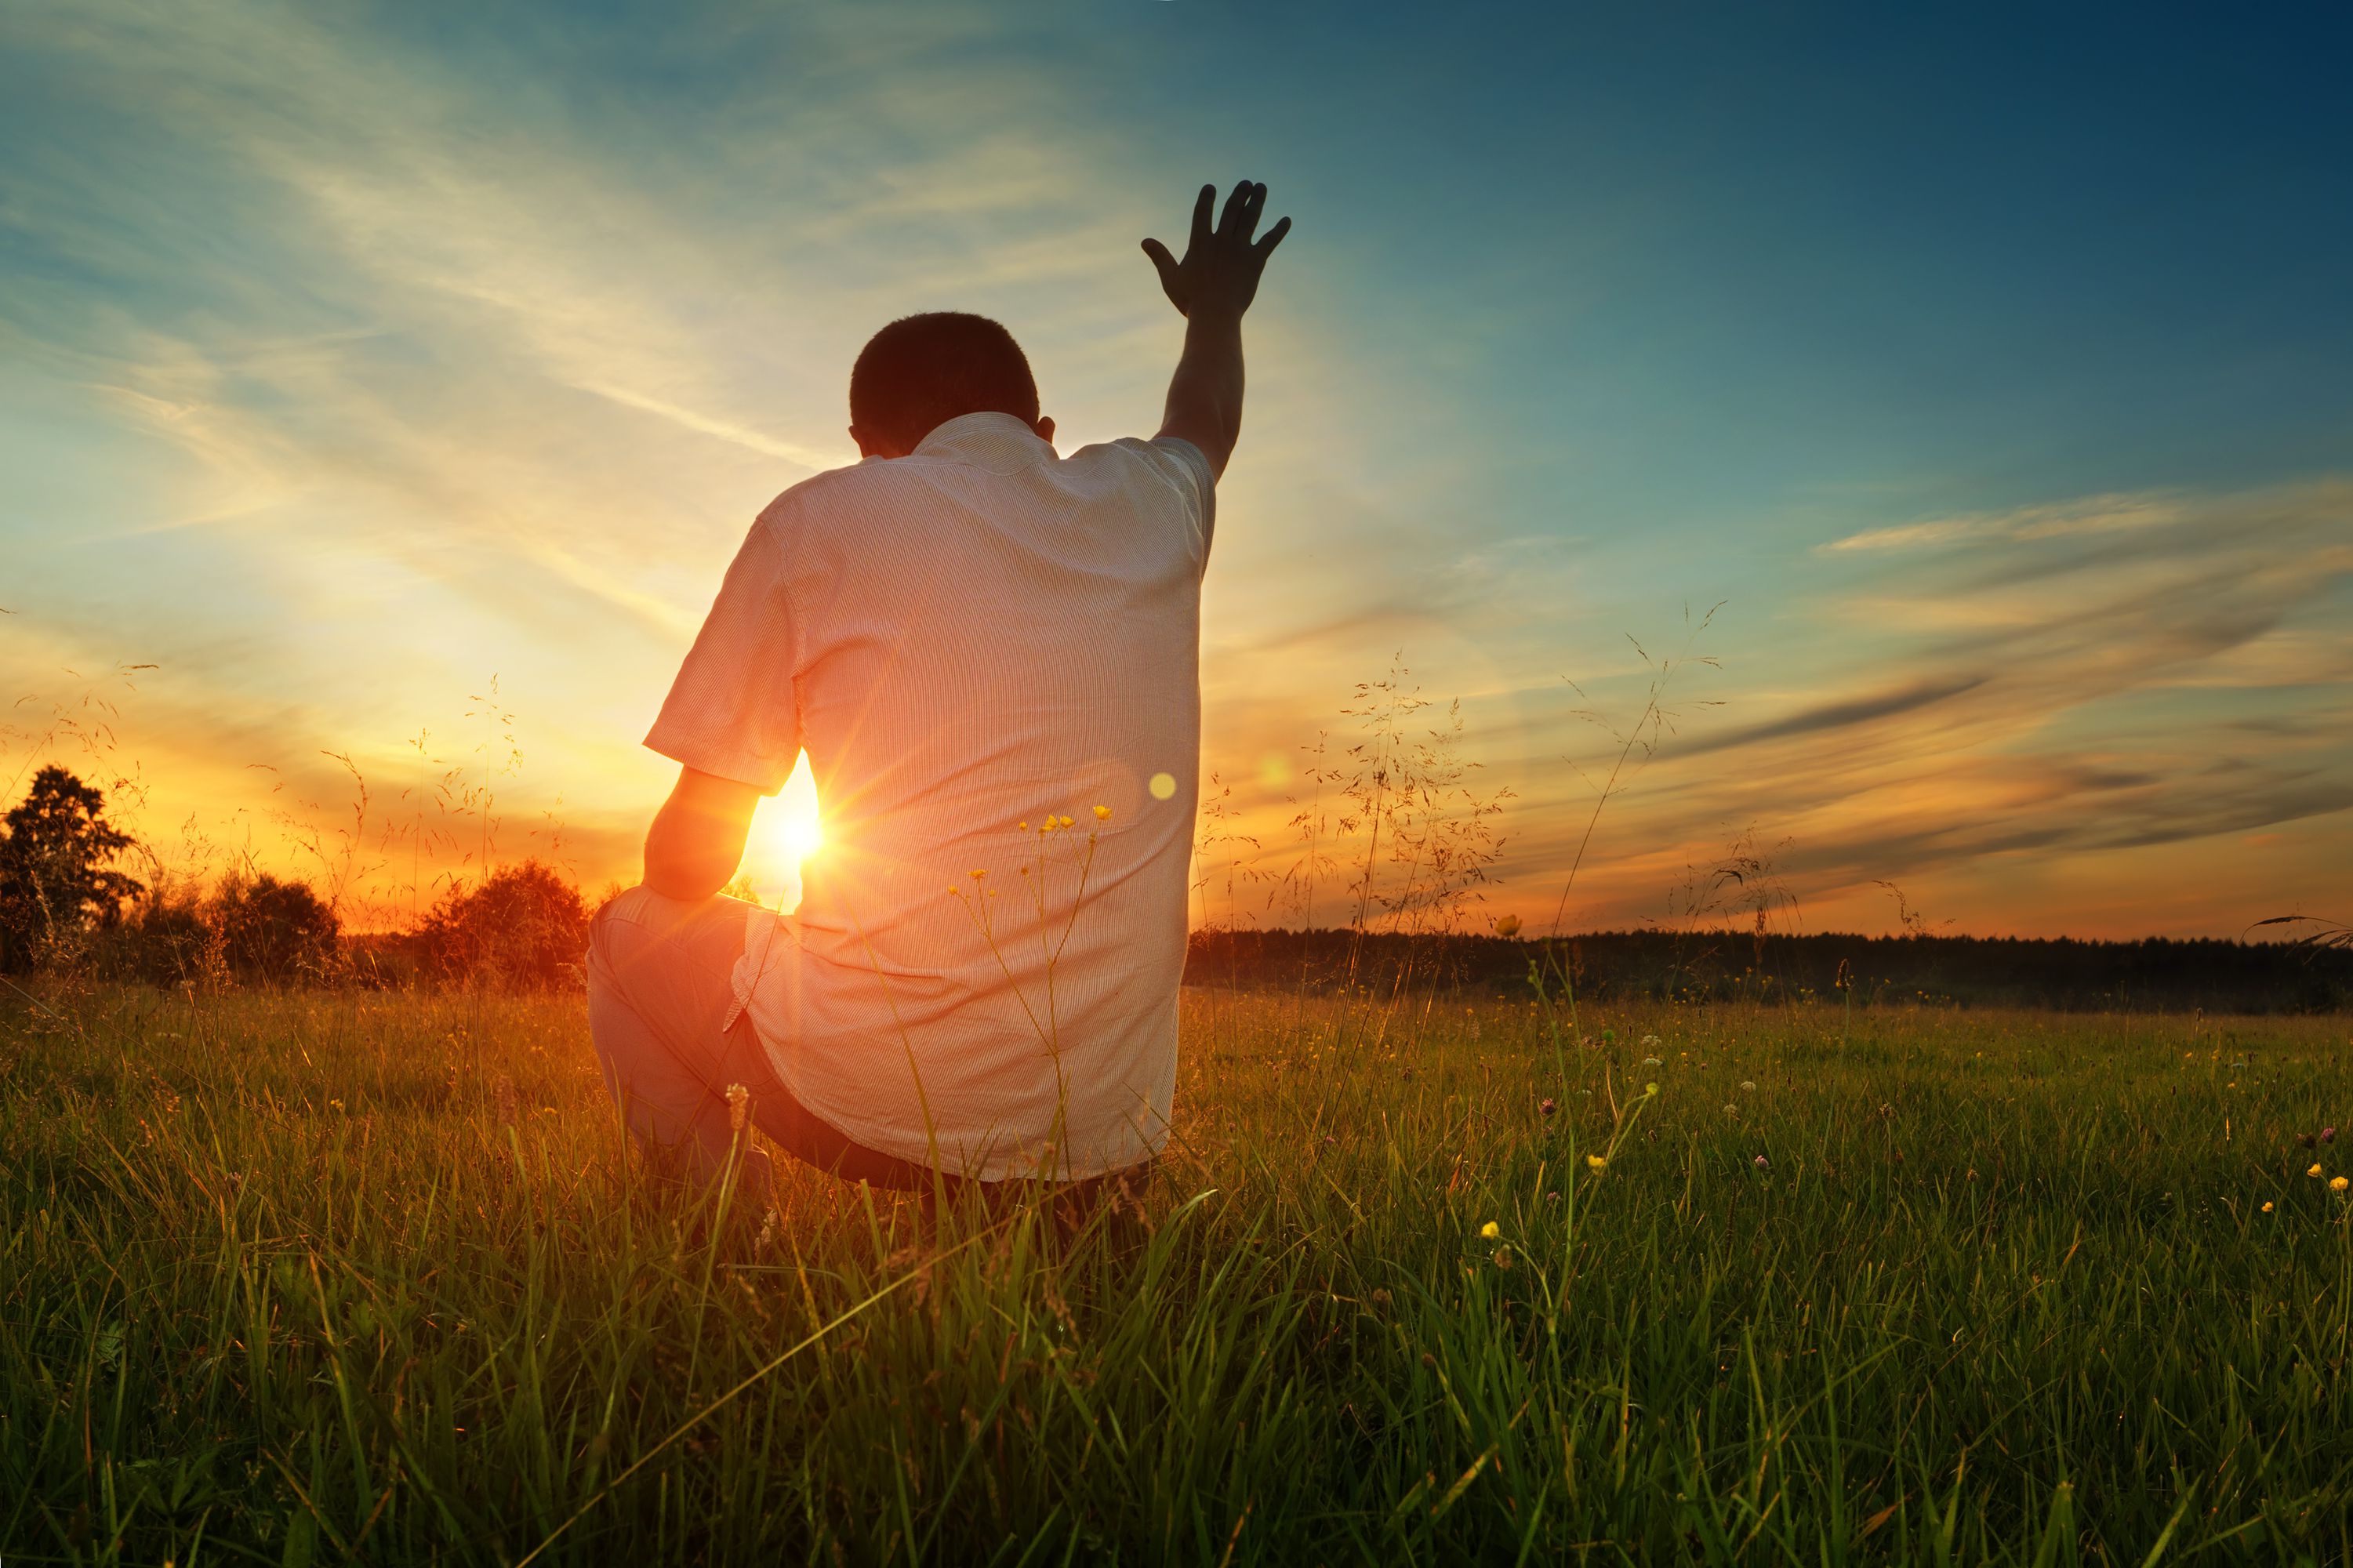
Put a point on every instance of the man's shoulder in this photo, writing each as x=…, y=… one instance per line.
x=1169, y=463
x=826, y=495
x=1154, y=450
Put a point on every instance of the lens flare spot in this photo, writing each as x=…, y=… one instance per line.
x=1163, y=786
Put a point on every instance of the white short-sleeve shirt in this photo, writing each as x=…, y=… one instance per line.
x=980, y=636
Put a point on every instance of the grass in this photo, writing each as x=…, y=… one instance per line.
x=308, y=1277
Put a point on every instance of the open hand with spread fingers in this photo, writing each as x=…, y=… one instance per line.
x=1222, y=266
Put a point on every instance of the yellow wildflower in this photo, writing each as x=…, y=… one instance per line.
x=2315, y=1169
x=1491, y=1230
x=1597, y=1162
x=2267, y=1208
x=2339, y=1185
x=1023, y=827
x=1103, y=814
x=976, y=876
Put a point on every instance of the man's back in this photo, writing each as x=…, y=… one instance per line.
x=974, y=643
x=991, y=655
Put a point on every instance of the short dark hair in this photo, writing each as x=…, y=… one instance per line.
x=921, y=371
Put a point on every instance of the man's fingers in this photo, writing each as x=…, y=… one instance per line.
x=1265, y=248
x=1203, y=208
x=1162, y=262
x=1236, y=205
x=1253, y=211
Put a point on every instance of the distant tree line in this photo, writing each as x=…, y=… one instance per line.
x=66, y=906
x=2157, y=976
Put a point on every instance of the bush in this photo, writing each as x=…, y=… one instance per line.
x=525, y=927
x=274, y=931
x=169, y=937
x=253, y=929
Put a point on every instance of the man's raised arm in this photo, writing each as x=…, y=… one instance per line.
x=1212, y=287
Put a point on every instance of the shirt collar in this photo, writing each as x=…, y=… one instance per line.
x=997, y=442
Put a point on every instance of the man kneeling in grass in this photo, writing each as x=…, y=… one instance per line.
x=990, y=652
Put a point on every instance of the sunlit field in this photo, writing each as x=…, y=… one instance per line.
x=317, y=1277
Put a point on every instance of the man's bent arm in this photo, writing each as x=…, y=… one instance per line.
x=697, y=839
x=1213, y=286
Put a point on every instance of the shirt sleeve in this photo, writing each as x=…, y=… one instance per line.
x=1185, y=467
x=732, y=712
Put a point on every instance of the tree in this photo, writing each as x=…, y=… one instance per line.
x=56, y=876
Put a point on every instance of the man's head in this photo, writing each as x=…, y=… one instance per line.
x=921, y=371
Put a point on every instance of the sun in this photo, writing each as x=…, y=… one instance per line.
x=787, y=830
x=800, y=835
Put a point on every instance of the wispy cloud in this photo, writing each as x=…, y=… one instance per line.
x=2038, y=697
x=2092, y=514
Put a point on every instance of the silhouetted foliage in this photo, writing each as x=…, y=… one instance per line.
x=167, y=937
x=56, y=881
x=2153, y=975
x=526, y=926
x=273, y=930
x=254, y=928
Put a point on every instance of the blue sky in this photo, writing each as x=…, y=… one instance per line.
x=1989, y=368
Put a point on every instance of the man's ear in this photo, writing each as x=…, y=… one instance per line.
x=1045, y=428
x=873, y=446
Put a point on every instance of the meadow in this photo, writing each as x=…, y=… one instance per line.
x=306, y=1276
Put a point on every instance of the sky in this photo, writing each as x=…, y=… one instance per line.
x=1955, y=400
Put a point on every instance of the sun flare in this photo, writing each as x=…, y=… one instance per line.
x=787, y=830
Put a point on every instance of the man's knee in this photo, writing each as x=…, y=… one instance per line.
x=610, y=925
x=627, y=907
